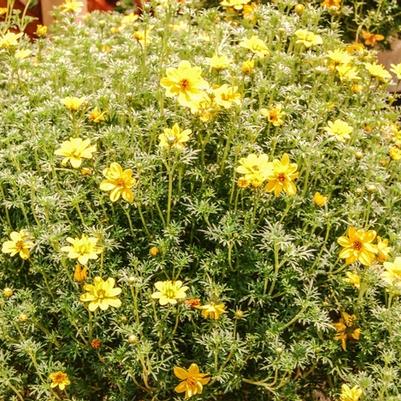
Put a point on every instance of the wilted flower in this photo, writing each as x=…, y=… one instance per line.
x=256, y=46
x=212, y=310
x=169, y=292
x=283, y=176
x=346, y=329
x=101, y=294
x=71, y=6
x=59, y=379
x=358, y=246
x=97, y=116
x=192, y=303
x=340, y=129
x=80, y=273
x=371, y=39
x=192, y=380
x=83, y=249
x=118, y=182
x=186, y=83
x=174, y=138
x=20, y=243
x=74, y=150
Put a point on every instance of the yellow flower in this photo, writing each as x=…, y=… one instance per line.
x=339, y=57
x=283, y=176
x=219, y=63
x=192, y=380
x=358, y=246
x=186, y=83
x=256, y=46
x=21, y=54
x=83, y=249
x=169, y=292
x=129, y=19
x=3, y=10
x=41, y=31
x=59, y=379
x=396, y=70
x=212, y=310
x=73, y=103
x=350, y=394
x=331, y=4
x=319, y=199
x=255, y=169
x=226, y=96
x=8, y=292
x=9, y=40
x=346, y=329
x=80, y=273
x=275, y=115
x=236, y=4
x=307, y=38
x=174, y=138
x=347, y=73
x=383, y=250
x=20, y=244
x=101, y=294
x=206, y=108
x=371, y=39
x=395, y=153
x=392, y=275
x=74, y=150
x=71, y=6
x=353, y=279
x=119, y=182
x=97, y=116
x=247, y=67
x=340, y=129
x=249, y=12
x=142, y=36
x=378, y=71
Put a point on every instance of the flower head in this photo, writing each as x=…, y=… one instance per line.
x=392, y=275
x=283, y=176
x=247, y=67
x=340, y=129
x=371, y=39
x=71, y=6
x=219, y=63
x=346, y=329
x=378, y=71
x=174, y=138
x=319, y=199
x=339, y=57
x=74, y=150
x=275, y=115
x=226, y=96
x=20, y=243
x=59, y=379
x=143, y=36
x=256, y=46
x=97, y=116
x=353, y=279
x=350, y=394
x=169, y=292
x=396, y=70
x=255, y=169
x=186, y=83
x=332, y=4
x=308, y=38
x=347, y=72
x=83, y=249
x=212, y=310
x=395, y=153
x=9, y=40
x=41, y=31
x=118, y=182
x=357, y=246
x=73, y=103
x=192, y=380
x=101, y=294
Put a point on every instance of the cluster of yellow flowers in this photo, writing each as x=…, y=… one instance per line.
x=278, y=175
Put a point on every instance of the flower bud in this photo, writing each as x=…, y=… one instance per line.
x=371, y=188
x=23, y=317
x=133, y=339
x=299, y=9
x=154, y=251
x=358, y=155
x=8, y=292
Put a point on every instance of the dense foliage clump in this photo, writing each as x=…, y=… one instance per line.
x=198, y=204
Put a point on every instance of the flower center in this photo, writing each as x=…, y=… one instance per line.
x=357, y=245
x=19, y=245
x=170, y=293
x=184, y=84
x=281, y=177
x=101, y=294
x=59, y=378
x=120, y=182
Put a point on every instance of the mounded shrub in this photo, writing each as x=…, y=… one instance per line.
x=198, y=205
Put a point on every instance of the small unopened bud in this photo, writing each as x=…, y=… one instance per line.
x=131, y=279
x=154, y=251
x=23, y=317
x=371, y=188
x=359, y=191
x=358, y=155
x=133, y=339
x=299, y=9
